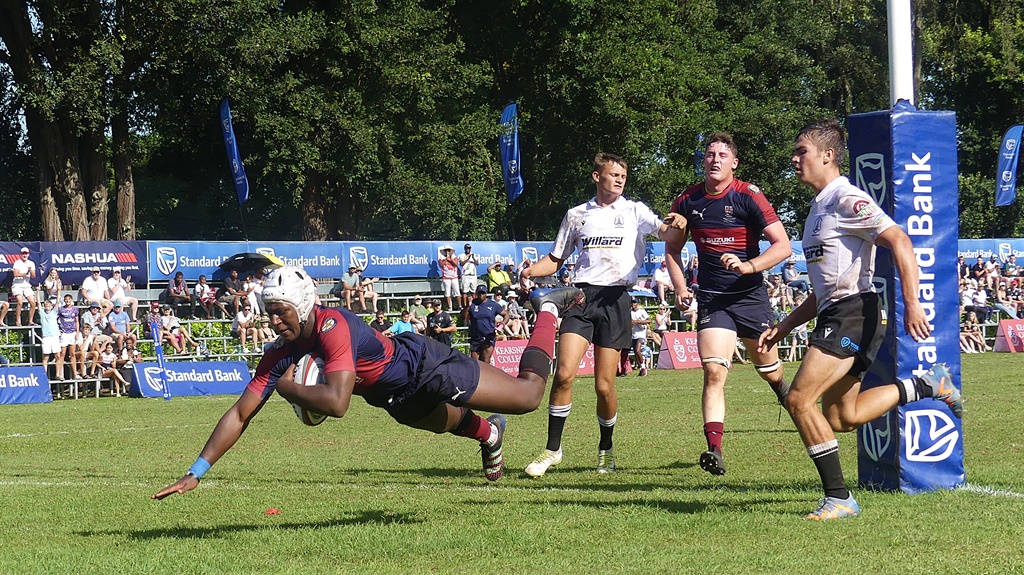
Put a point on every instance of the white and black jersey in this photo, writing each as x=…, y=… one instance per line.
x=610, y=241
x=842, y=227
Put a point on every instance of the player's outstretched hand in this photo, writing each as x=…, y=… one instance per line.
x=768, y=339
x=183, y=485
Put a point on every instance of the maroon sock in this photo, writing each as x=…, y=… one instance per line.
x=536, y=357
x=713, y=431
x=474, y=426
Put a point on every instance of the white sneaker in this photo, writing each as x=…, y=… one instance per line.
x=547, y=458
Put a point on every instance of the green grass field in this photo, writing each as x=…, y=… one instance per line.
x=366, y=495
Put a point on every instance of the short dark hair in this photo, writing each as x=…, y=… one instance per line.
x=827, y=134
x=723, y=138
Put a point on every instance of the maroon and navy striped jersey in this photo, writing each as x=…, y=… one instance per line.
x=731, y=222
x=347, y=344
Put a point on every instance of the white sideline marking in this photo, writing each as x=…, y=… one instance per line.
x=986, y=490
x=77, y=432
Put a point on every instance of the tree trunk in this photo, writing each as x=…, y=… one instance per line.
x=314, y=206
x=123, y=178
x=349, y=213
x=69, y=178
x=94, y=179
x=51, y=228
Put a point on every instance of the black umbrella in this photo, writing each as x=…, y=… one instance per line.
x=247, y=261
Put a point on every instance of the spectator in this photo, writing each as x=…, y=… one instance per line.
x=662, y=323
x=380, y=322
x=4, y=307
x=662, y=282
x=1010, y=269
x=231, y=292
x=244, y=328
x=118, y=288
x=481, y=315
x=640, y=321
x=792, y=278
x=108, y=370
x=439, y=324
x=963, y=270
x=1016, y=296
x=207, y=297
x=992, y=272
x=646, y=358
x=970, y=332
x=449, y=267
x=778, y=296
x=94, y=323
x=688, y=310
x=498, y=278
x=403, y=325
x=468, y=262
x=23, y=271
x=179, y=334
x=130, y=354
x=52, y=286
x=525, y=283
x=799, y=333
x=516, y=327
x=366, y=285
x=257, y=290
x=249, y=287
x=94, y=289
x=564, y=279
x=119, y=326
x=67, y=323
x=349, y=286
x=418, y=315
x=266, y=332
x=153, y=320
x=178, y=295
x=51, y=335
x=978, y=271
x=1001, y=301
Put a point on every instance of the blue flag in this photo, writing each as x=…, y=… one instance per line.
x=508, y=145
x=1006, y=168
x=154, y=329
x=234, y=158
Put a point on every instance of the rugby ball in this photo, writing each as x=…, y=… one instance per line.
x=309, y=371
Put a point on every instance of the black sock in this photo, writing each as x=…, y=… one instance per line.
x=556, y=424
x=607, y=427
x=826, y=458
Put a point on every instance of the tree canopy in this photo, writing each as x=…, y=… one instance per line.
x=375, y=119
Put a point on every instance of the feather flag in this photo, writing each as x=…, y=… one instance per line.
x=508, y=145
x=234, y=158
x=1006, y=169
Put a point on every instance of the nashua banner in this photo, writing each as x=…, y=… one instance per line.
x=237, y=169
x=1006, y=168
x=508, y=145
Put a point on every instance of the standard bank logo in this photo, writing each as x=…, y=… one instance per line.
x=358, y=257
x=166, y=260
x=930, y=435
x=870, y=175
x=875, y=438
x=266, y=251
x=1005, y=250
x=154, y=378
x=530, y=253
x=1010, y=144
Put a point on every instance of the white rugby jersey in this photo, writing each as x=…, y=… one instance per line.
x=610, y=241
x=839, y=241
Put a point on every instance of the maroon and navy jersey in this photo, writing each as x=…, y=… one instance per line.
x=347, y=344
x=728, y=223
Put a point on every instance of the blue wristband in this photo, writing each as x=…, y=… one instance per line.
x=200, y=467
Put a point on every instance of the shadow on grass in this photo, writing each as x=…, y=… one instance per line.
x=363, y=518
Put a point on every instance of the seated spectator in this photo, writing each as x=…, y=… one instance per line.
x=971, y=332
x=119, y=326
x=4, y=307
x=662, y=283
x=348, y=286
x=153, y=321
x=366, y=285
x=1001, y=301
x=791, y=277
x=418, y=314
x=690, y=273
x=498, y=280
x=108, y=370
x=1016, y=296
x=403, y=325
x=266, y=333
x=173, y=325
x=687, y=307
x=380, y=322
x=516, y=327
x=992, y=270
x=231, y=292
x=94, y=324
x=1010, y=269
x=244, y=328
x=52, y=286
x=94, y=289
x=118, y=288
x=178, y=295
x=130, y=354
x=799, y=334
x=207, y=298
